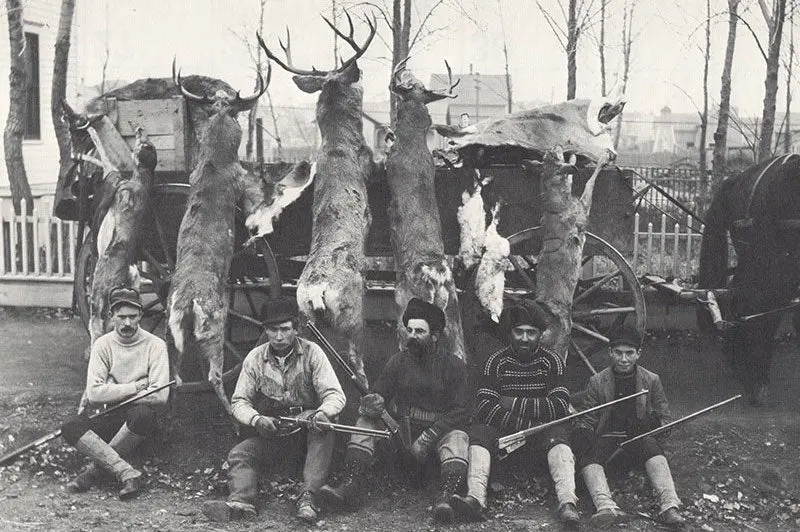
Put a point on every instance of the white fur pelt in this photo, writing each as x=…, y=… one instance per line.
x=490, y=278
x=472, y=224
x=286, y=191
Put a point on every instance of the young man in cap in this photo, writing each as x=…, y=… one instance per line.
x=426, y=386
x=123, y=363
x=520, y=387
x=598, y=434
x=284, y=374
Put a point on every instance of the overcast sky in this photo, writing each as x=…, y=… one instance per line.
x=206, y=36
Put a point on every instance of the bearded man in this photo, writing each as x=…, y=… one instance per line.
x=426, y=386
x=521, y=386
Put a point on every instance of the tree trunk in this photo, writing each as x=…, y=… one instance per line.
x=509, y=100
x=704, y=116
x=17, y=96
x=252, y=115
x=58, y=94
x=721, y=134
x=401, y=38
x=572, y=49
x=627, y=45
x=787, y=136
x=601, y=47
x=771, y=81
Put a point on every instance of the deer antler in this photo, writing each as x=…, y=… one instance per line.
x=176, y=78
x=349, y=39
x=245, y=103
x=287, y=66
x=450, y=80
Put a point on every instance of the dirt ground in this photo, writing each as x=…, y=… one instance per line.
x=733, y=468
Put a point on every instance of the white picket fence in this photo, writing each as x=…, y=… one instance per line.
x=666, y=249
x=37, y=246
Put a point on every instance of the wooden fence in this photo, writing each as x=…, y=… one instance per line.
x=668, y=249
x=36, y=246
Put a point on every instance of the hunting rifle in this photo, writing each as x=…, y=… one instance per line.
x=512, y=442
x=337, y=427
x=670, y=425
x=388, y=420
x=8, y=457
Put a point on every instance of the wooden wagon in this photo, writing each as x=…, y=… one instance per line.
x=608, y=292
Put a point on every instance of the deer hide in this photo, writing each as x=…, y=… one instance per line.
x=472, y=224
x=284, y=193
x=490, y=278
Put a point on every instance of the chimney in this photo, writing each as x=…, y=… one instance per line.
x=470, y=69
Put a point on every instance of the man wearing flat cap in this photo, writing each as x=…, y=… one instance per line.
x=597, y=435
x=521, y=387
x=427, y=387
x=284, y=375
x=123, y=363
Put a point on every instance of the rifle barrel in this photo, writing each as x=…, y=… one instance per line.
x=56, y=433
x=352, y=429
x=681, y=420
x=511, y=439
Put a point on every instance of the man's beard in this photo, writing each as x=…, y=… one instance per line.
x=416, y=347
x=524, y=349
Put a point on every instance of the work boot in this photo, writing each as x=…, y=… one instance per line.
x=346, y=495
x=568, y=514
x=91, y=445
x=660, y=476
x=608, y=513
x=671, y=517
x=307, y=507
x=561, y=463
x=225, y=511
x=453, y=474
x=472, y=507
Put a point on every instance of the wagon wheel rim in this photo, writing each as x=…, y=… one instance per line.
x=604, y=298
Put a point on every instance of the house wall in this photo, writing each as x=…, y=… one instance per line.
x=41, y=156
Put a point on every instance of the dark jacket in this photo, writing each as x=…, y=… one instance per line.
x=601, y=390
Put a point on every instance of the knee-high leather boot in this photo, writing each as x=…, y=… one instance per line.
x=347, y=494
x=453, y=474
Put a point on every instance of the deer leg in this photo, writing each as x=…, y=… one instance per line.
x=212, y=350
x=588, y=190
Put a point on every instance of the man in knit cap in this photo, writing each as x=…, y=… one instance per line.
x=521, y=387
x=123, y=363
x=598, y=434
x=285, y=373
x=428, y=386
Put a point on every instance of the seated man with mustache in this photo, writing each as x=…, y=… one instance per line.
x=521, y=386
x=428, y=386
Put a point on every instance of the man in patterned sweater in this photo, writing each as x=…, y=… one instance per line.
x=428, y=387
x=521, y=387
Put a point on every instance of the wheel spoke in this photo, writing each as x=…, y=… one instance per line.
x=582, y=356
x=583, y=314
x=163, y=242
x=243, y=317
x=162, y=272
x=588, y=332
x=149, y=306
x=235, y=350
x=516, y=261
x=595, y=287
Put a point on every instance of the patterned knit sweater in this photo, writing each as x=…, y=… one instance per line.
x=532, y=387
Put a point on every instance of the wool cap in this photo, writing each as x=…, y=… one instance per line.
x=279, y=310
x=123, y=295
x=625, y=336
x=418, y=309
x=524, y=313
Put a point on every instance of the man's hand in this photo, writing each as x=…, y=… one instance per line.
x=423, y=444
x=319, y=417
x=372, y=405
x=142, y=384
x=265, y=426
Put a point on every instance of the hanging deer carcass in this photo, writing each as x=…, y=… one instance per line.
x=331, y=284
x=422, y=269
x=198, y=299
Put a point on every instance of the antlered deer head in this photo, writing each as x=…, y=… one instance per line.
x=408, y=87
x=221, y=129
x=330, y=82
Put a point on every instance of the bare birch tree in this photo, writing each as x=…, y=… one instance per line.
x=509, y=99
x=774, y=19
x=787, y=134
x=627, y=49
x=704, y=114
x=58, y=93
x=17, y=102
x=723, y=114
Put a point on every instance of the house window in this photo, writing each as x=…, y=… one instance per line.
x=33, y=125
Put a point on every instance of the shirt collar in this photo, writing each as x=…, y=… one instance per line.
x=297, y=350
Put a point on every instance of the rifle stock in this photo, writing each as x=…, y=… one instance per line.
x=10, y=456
x=388, y=420
x=512, y=442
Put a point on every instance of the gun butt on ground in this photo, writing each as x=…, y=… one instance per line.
x=512, y=442
x=10, y=456
x=337, y=427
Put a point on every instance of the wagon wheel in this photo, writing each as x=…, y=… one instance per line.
x=253, y=278
x=607, y=295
